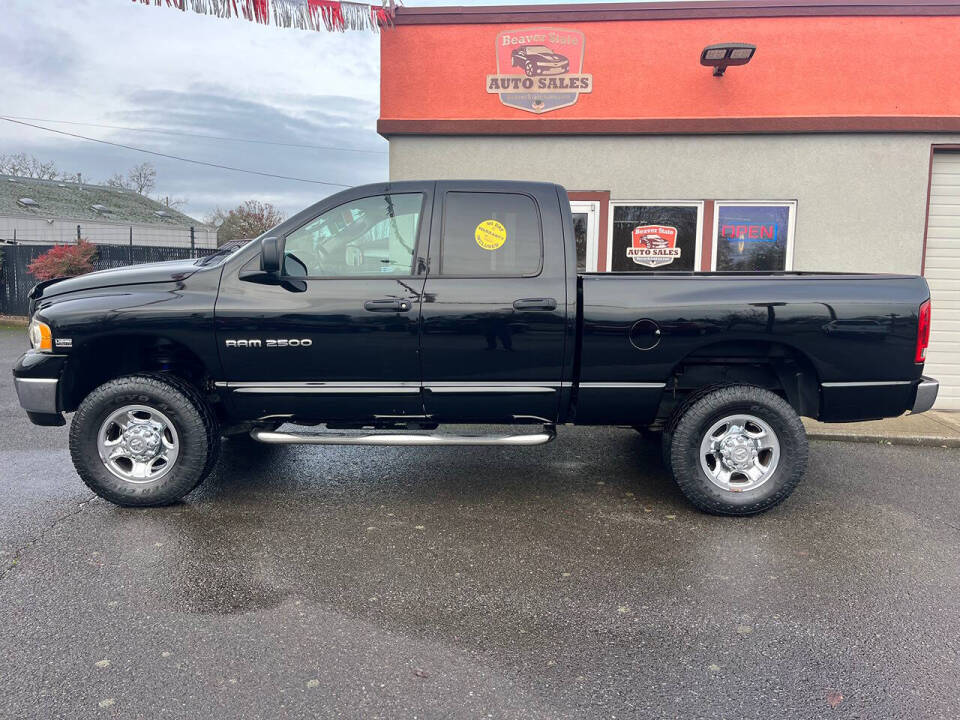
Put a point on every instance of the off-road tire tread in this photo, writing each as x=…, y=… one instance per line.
x=175, y=392
x=668, y=428
x=738, y=398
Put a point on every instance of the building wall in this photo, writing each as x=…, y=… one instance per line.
x=40, y=230
x=861, y=199
x=814, y=72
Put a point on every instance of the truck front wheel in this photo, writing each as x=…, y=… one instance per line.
x=737, y=450
x=144, y=440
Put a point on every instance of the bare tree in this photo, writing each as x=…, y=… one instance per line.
x=117, y=181
x=142, y=178
x=27, y=166
x=248, y=220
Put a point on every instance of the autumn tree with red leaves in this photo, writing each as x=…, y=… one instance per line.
x=64, y=261
x=245, y=222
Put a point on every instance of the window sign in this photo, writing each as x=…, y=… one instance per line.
x=754, y=236
x=649, y=236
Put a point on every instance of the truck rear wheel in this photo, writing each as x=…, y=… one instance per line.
x=737, y=450
x=144, y=440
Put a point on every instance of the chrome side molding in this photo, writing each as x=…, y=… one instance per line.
x=402, y=439
x=871, y=383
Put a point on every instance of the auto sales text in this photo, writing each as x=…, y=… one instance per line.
x=579, y=82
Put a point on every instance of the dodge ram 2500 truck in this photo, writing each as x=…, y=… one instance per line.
x=386, y=312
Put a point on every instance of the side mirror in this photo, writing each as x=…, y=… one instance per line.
x=270, y=255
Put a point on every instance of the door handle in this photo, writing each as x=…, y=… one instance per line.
x=391, y=305
x=535, y=304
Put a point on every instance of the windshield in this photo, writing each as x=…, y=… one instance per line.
x=539, y=49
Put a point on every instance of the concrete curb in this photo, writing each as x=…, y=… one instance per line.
x=13, y=321
x=884, y=439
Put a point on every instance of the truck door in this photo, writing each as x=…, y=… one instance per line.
x=336, y=338
x=494, y=312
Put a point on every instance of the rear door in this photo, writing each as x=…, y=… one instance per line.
x=494, y=311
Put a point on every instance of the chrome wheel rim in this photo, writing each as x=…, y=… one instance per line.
x=138, y=444
x=739, y=453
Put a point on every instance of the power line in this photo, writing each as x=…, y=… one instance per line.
x=173, y=157
x=198, y=135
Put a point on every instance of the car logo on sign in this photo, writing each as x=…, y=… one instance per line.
x=653, y=245
x=539, y=69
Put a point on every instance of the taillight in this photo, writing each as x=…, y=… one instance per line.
x=923, y=333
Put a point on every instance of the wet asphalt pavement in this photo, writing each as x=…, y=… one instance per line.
x=565, y=581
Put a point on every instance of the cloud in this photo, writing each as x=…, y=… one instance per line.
x=31, y=53
x=147, y=67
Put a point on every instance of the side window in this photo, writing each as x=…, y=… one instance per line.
x=370, y=236
x=490, y=234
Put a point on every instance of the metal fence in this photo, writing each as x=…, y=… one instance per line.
x=16, y=280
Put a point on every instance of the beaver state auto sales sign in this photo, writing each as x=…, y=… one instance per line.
x=539, y=69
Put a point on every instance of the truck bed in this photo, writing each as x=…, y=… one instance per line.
x=641, y=334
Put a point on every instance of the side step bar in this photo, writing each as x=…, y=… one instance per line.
x=283, y=438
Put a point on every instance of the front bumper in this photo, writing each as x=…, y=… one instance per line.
x=926, y=395
x=37, y=395
x=552, y=68
x=36, y=378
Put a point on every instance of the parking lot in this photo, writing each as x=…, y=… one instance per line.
x=566, y=581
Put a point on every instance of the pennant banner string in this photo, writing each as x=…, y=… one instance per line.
x=330, y=15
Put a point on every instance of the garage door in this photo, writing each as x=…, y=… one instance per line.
x=942, y=270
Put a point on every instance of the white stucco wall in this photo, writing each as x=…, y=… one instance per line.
x=42, y=230
x=861, y=198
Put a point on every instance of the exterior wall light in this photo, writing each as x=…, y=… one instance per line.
x=722, y=55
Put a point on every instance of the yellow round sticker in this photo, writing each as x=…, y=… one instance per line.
x=490, y=235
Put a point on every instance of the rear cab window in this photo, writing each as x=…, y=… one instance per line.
x=490, y=234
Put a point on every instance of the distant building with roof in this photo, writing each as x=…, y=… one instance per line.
x=50, y=211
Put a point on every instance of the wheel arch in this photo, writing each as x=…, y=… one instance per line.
x=128, y=354
x=774, y=365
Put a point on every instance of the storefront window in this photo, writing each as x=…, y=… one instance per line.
x=580, y=235
x=655, y=237
x=586, y=217
x=754, y=236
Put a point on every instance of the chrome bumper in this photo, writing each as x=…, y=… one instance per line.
x=37, y=395
x=926, y=395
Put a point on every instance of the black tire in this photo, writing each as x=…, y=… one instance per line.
x=666, y=442
x=196, y=427
x=695, y=420
x=531, y=69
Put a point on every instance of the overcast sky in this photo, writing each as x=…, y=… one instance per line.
x=117, y=62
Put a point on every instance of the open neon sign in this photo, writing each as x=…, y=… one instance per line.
x=751, y=233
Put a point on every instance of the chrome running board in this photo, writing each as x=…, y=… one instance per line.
x=384, y=438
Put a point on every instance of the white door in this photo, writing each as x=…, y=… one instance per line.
x=585, y=230
x=942, y=270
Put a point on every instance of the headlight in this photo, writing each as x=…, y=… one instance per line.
x=40, y=336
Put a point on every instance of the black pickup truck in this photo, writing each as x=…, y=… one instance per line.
x=386, y=311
